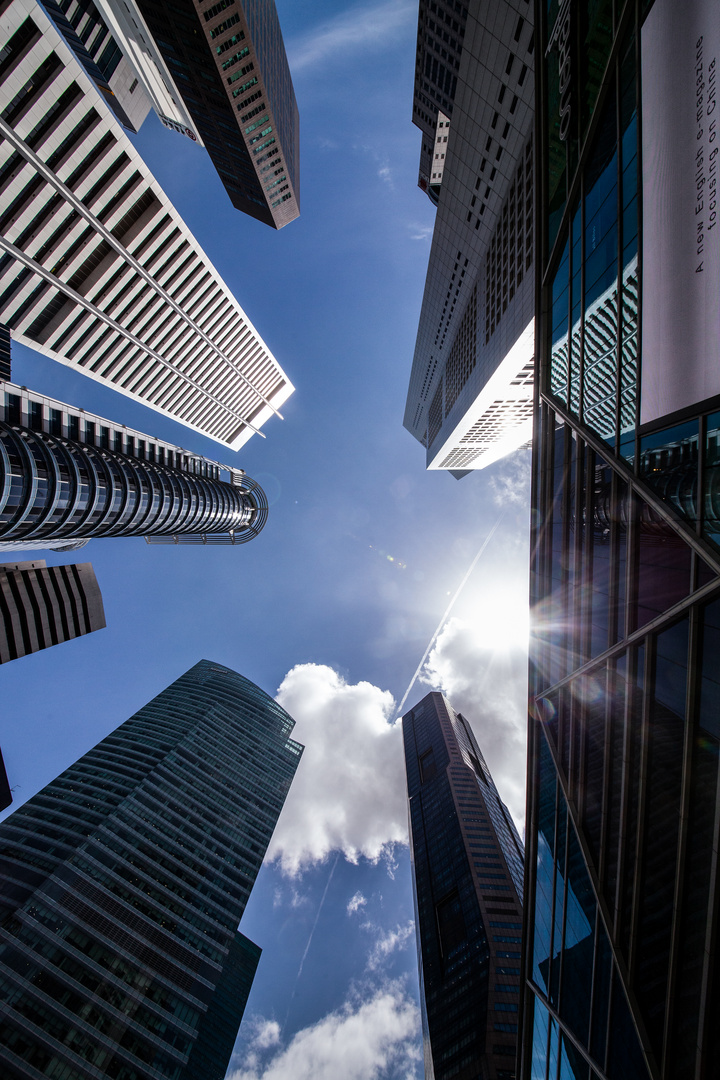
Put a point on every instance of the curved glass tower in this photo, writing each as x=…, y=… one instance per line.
x=67, y=478
x=123, y=884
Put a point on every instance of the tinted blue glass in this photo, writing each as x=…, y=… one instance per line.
x=553, y=1049
x=601, y=995
x=573, y=1065
x=600, y=368
x=559, y=903
x=711, y=481
x=625, y=1057
x=576, y=312
x=662, y=818
x=709, y=705
x=543, y=894
x=539, y=1047
x=671, y=667
x=699, y=841
x=600, y=480
x=559, y=340
x=578, y=943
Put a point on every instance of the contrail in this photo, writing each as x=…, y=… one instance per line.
x=309, y=941
x=449, y=608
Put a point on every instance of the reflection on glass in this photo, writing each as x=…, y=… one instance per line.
x=625, y=1058
x=700, y=838
x=711, y=481
x=666, y=730
x=600, y=566
x=543, y=894
x=553, y=1049
x=601, y=995
x=573, y=1065
x=539, y=1049
x=559, y=905
x=559, y=339
x=709, y=705
x=578, y=943
x=576, y=313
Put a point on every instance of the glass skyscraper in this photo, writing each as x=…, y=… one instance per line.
x=123, y=884
x=622, y=898
x=467, y=863
x=67, y=475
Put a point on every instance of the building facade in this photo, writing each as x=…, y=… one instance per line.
x=124, y=881
x=97, y=269
x=68, y=475
x=5, y=790
x=467, y=861
x=621, y=905
x=118, y=31
x=43, y=605
x=470, y=396
x=229, y=64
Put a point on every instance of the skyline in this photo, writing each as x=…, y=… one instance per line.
x=355, y=565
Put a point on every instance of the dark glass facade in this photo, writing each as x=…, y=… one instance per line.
x=467, y=863
x=55, y=488
x=229, y=64
x=123, y=884
x=5, y=791
x=621, y=902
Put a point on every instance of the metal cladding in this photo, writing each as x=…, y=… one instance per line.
x=55, y=487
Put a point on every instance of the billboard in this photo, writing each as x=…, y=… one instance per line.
x=680, y=51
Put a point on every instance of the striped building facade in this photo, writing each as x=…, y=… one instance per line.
x=97, y=269
x=43, y=605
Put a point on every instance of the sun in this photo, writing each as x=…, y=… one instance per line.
x=501, y=618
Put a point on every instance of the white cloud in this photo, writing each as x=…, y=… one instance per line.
x=355, y=903
x=348, y=794
x=421, y=232
x=359, y=1041
x=510, y=481
x=370, y=27
x=488, y=685
x=392, y=941
x=266, y=1034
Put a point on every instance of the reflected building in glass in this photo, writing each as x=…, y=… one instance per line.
x=124, y=881
x=622, y=898
x=467, y=861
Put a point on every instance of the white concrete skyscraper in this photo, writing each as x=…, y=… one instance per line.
x=97, y=268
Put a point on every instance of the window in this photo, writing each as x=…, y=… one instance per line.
x=451, y=924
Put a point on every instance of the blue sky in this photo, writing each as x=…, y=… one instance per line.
x=334, y=605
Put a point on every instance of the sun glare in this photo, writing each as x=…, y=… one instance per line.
x=502, y=619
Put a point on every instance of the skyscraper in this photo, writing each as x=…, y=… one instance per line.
x=5, y=792
x=68, y=475
x=43, y=605
x=97, y=269
x=231, y=69
x=467, y=863
x=124, y=881
x=622, y=897
x=219, y=77
x=470, y=395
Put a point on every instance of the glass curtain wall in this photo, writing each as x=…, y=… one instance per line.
x=624, y=739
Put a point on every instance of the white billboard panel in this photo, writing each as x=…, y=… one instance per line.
x=680, y=50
